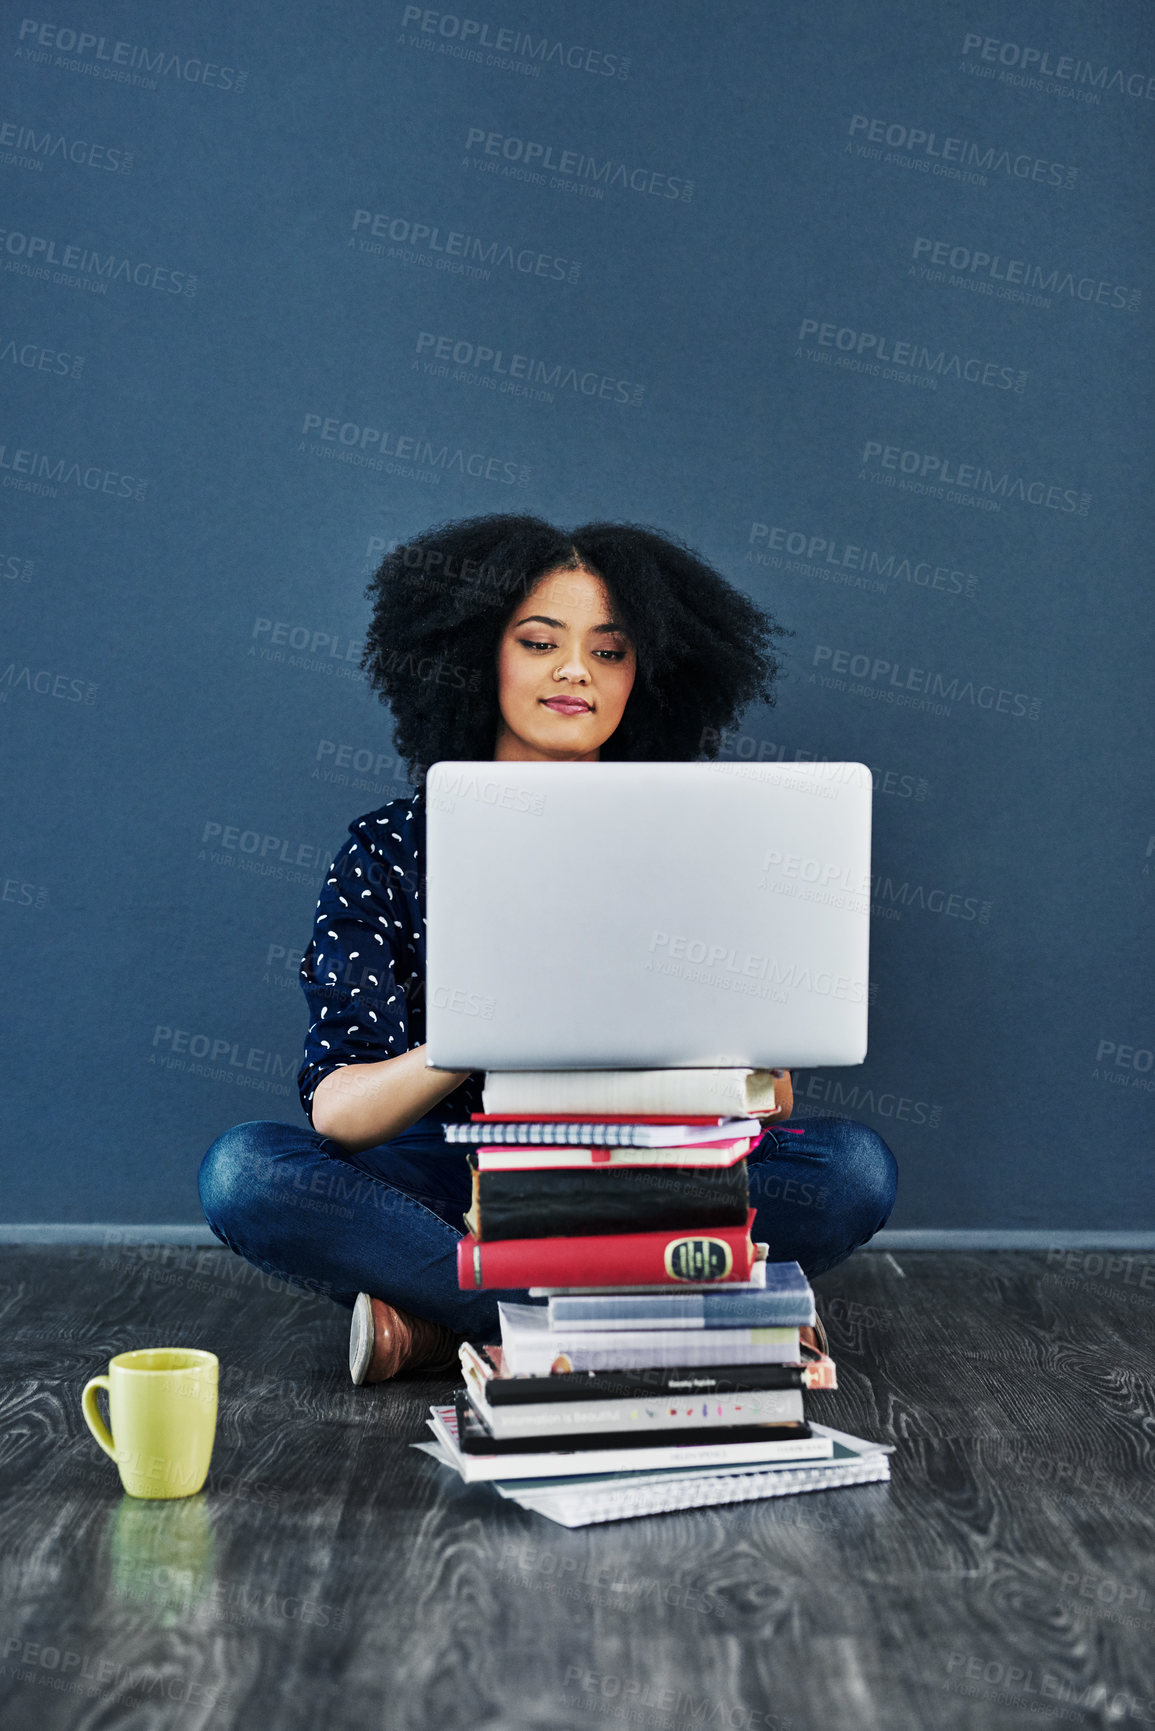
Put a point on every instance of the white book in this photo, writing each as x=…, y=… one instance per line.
x=562, y=1463
x=576, y=1502
x=509, y=1136
x=735, y=1092
x=583, y=1508
x=557, y=1419
x=782, y=1298
x=532, y=1348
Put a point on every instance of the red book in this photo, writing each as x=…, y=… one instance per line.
x=597, y=1117
x=721, y=1254
x=550, y=1156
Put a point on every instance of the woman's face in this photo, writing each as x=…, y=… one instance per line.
x=562, y=641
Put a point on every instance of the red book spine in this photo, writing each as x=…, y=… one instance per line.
x=723, y=1254
x=600, y=1152
x=595, y=1118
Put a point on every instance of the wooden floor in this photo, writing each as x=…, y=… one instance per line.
x=330, y=1578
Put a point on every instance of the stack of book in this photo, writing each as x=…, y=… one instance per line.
x=665, y=1368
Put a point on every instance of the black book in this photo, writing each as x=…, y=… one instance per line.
x=474, y=1439
x=643, y=1384
x=582, y=1201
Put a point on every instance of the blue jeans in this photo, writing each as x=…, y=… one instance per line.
x=387, y=1220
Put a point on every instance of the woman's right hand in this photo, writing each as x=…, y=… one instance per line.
x=360, y=1105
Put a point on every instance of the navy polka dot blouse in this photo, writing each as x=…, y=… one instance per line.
x=364, y=970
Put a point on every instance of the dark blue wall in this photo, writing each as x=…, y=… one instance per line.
x=857, y=299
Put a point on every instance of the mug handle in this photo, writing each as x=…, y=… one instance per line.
x=92, y=1416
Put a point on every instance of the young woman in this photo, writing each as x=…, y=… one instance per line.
x=496, y=638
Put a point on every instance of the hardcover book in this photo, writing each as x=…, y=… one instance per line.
x=736, y=1091
x=580, y=1201
x=724, y=1253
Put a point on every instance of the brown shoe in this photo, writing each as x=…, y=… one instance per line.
x=815, y=1338
x=384, y=1340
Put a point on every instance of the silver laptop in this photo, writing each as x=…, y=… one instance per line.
x=646, y=915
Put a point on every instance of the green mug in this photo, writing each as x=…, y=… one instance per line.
x=162, y=1405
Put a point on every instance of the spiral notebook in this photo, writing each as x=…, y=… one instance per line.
x=573, y=1507
x=581, y=1500
x=571, y=1134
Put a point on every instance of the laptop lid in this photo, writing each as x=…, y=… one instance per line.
x=646, y=915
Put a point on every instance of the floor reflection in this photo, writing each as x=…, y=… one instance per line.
x=163, y=1554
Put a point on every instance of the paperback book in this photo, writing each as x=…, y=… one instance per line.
x=538, y=1158
x=504, y=1387
x=783, y=1299
x=577, y=1499
x=650, y=1402
x=579, y=1502
x=588, y=1132
x=530, y=1345
x=506, y=1460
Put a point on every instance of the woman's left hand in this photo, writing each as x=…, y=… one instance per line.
x=783, y=1096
